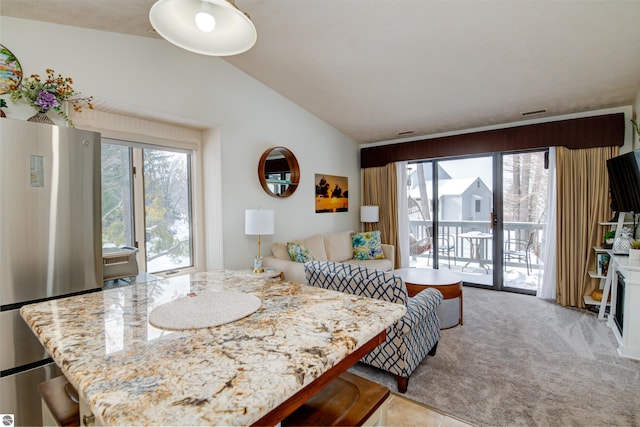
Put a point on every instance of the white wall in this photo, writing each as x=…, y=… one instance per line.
x=154, y=76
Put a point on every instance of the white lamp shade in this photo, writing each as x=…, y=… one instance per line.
x=175, y=21
x=369, y=214
x=259, y=221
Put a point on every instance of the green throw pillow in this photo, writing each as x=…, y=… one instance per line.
x=367, y=245
x=299, y=253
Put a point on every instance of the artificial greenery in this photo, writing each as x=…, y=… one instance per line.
x=636, y=126
x=49, y=94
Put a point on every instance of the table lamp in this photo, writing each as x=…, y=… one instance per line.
x=258, y=222
x=369, y=213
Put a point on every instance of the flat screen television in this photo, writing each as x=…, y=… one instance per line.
x=624, y=182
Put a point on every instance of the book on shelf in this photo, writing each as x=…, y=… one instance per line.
x=602, y=264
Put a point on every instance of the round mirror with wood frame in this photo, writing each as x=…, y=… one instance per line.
x=279, y=172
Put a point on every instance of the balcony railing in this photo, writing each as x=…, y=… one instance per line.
x=462, y=247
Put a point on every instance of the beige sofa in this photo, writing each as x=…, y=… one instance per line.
x=335, y=247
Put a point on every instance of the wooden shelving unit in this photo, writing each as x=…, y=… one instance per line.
x=590, y=301
x=617, y=226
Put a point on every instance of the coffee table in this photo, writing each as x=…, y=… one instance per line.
x=448, y=283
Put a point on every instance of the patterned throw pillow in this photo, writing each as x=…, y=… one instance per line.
x=299, y=253
x=367, y=245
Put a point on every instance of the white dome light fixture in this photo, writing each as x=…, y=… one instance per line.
x=207, y=27
x=205, y=22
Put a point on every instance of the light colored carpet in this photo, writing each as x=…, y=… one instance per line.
x=521, y=361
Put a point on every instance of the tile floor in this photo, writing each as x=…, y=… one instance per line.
x=403, y=412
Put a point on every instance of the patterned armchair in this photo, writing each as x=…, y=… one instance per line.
x=411, y=338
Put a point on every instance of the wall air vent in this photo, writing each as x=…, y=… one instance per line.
x=533, y=113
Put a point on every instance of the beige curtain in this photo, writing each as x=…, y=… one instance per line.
x=380, y=188
x=583, y=200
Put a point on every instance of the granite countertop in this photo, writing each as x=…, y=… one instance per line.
x=131, y=373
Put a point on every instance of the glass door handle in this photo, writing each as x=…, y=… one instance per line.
x=494, y=220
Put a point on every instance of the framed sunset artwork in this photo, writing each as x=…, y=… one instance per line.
x=332, y=193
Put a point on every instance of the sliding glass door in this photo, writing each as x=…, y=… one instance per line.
x=524, y=206
x=481, y=217
x=450, y=204
x=465, y=203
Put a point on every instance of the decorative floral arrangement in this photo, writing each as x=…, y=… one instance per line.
x=635, y=244
x=49, y=94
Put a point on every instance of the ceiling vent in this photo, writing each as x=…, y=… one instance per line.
x=406, y=132
x=533, y=113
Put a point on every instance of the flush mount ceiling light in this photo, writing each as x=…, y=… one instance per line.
x=207, y=27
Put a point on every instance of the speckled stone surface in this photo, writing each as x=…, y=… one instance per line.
x=131, y=373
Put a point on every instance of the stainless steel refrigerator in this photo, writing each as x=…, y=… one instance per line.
x=50, y=231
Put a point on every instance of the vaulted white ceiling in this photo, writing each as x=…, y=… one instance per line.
x=377, y=68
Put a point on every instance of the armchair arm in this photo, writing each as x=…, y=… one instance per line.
x=430, y=298
x=418, y=308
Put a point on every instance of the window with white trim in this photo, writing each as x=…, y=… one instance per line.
x=147, y=203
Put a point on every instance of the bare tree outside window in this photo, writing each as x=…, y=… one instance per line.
x=167, y=212
x=164, y=198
